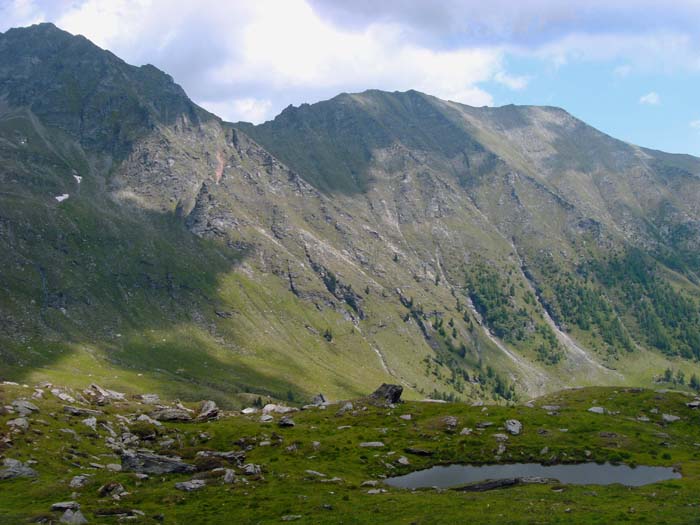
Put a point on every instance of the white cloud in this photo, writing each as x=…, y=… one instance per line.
x=513, y=82
x=246, y=109
x=249, y=60
x=652, y=98
x=17, y=13
x=695, y=124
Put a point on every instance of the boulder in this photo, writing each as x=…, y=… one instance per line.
x=249, y=410
x=669, y=418
x=20, y=424
x=251, y=469
x=148, y=463
x=449, y=422
x=514, y=427
x=319, y=400
x=347, y=407
x=79, y=482
x=277, y=409
x=149, y=399
x=65, y=505
x=286, y=421
x=693, y=404
x=148, y=419
x=91, y=423
x=386, y=393
x=171, y=414
x=597, y=410
x=266, y=418
x=14, y=468
x=406, y=417
x=102, y=396
x=192, y=485
x=208, y=410
x=73, y=517
x=372, y=444
x=112, y=490
x=24, y=407
x=77, y=411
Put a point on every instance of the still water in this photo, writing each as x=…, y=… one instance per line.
x=579, y=474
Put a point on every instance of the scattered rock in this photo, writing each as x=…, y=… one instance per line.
x=315, y=473
x=406, y=417
x=465, y=431
x=114, y=467
x=388, y=394
x=24, y=408
x=500, y=437
x=286, y=421
x=266, y=418
x=14, y=468
x=149, y=399
x=416, y=451
x=292, y=517
x=229, y=476
x=20, y=424
x=192, y=485
x=376, y=491
x=73, y=517
x=112, y=490
x=208, y=410
x=277, y=409
x=484, y=424
x=249, y=410
x=483, y=486
x=91, y=423
x=319, y=400
x=450, y=422
x=148, y=463
x=63, y=396
x=669, y=418
x=102, y=396
x=370, y=483
x=372, y=444
x=79, y=482
x=551, y=408
x=514, y=427
x=148, y=419
x=693, y=404
x=77, y=411
x=65, y=505
x=597, y=410
x=403, y=460
x=171, y=414
x=251, y=469
x=347, y=407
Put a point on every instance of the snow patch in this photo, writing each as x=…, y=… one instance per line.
x=78, y=178
x=61, y=198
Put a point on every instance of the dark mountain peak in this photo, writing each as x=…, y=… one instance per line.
x=91, y=94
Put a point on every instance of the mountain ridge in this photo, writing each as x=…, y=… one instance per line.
x=462, y=252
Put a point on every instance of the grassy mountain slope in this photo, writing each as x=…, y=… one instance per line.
x=462, y=252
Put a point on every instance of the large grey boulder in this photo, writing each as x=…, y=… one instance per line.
x=189, y=486
x=148, y=463
x=208, y=410
x=24, y=408
x=171, y=414
x=390, y=394
x=73, y=517
x=14, y=468
x=514, y=427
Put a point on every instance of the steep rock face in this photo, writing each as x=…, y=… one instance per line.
x=375, y=237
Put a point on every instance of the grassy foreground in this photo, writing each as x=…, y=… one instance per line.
x=327, y=443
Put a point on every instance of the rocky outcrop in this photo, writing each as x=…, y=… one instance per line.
x=149, y=463
x=13, y=468
x=386, y=393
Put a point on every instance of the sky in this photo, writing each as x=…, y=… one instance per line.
x=628, y=67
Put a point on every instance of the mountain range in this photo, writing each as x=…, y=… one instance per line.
x=465, y=253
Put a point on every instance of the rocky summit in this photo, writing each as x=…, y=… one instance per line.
x=161, y=268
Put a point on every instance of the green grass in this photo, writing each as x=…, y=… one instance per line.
x=285, y=488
